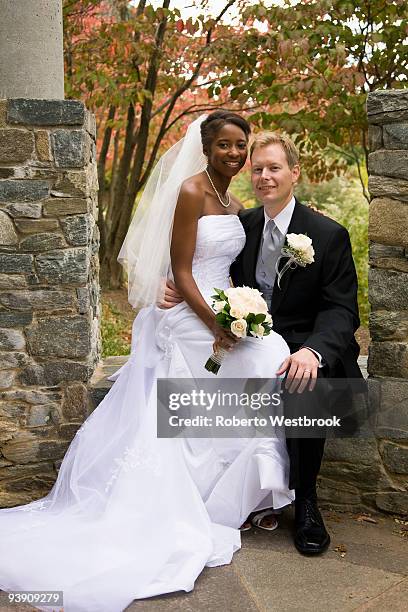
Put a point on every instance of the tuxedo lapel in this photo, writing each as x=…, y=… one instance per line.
x=253, y=240
x=296, y=226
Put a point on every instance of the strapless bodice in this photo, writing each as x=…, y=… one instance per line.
x=220, y=239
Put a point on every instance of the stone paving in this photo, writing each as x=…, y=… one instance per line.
x=365, y=568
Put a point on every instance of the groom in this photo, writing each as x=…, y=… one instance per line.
x=314, y=308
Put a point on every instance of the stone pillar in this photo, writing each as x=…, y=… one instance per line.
x=48, y=287
x=388, y=289
x=371, y=474
x=31, y=50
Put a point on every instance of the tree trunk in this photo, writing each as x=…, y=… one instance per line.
x=135, y=163
x=111, y=270
x=122, y=205
x=113, y=177
x=101, y=180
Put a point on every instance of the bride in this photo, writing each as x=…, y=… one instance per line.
x=132, y=515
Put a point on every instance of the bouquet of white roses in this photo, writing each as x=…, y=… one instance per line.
x=242, y=311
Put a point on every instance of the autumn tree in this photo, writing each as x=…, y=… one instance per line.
x=142, y=70
x=304, y=67
x=314, y=63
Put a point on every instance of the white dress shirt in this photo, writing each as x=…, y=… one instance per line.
x=282, y=219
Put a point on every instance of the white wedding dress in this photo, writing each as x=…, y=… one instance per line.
x=131, y=515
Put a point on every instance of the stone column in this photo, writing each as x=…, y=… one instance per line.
x=31, y=50
x=388, y=289
x=48, y=287
x=371, y=474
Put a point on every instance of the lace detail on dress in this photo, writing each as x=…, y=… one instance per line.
x=32, y=511
x=134, y=458
x=164, y=340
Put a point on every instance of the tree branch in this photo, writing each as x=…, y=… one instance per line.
x=143, y=131
x=360, y=175
x=186, y=85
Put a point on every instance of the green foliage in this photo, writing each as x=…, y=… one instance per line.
x=219, y=295
x=241, y=188
x=143, y=71
x=315, y=63
x=342, y=199
x=223, y=319
x=143, y=54
x=115, y=332
x=306, y=72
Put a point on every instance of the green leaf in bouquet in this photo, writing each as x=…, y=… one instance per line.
x=260, y=318
x=222, y=319
x=250, y=318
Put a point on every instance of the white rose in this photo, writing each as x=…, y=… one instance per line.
x=238, y=313
x=238, y=294
x=219, y=305
x=308, y=255
x=258, y=305
x=246, y=300
x=259, y=331
x=300, y=242
x=268, y=319
x=239, y=328
x=237, y=300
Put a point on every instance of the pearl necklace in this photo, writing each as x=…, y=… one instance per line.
x=224, y=204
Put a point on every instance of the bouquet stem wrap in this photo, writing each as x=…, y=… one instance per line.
x=213, y=364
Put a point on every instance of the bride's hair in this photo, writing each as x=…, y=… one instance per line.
x=214, y=122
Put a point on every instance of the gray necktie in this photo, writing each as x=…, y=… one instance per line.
x=268, y=255
x=271, y=250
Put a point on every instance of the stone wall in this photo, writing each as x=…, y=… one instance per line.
x=49, y=296
x=388, y=280
x=49, y=291
x=373, y=473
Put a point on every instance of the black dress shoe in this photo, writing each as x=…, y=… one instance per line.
x=311, y=536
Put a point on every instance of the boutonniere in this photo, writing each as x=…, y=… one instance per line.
x=298, y=250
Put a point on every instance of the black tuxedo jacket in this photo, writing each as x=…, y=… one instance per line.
x=316, y=306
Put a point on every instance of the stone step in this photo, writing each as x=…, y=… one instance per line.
x=100, y=384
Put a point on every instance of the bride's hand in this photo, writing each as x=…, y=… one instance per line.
x=223, y=338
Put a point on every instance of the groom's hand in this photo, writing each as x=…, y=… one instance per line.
x=171, y=296
x=302, y=369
